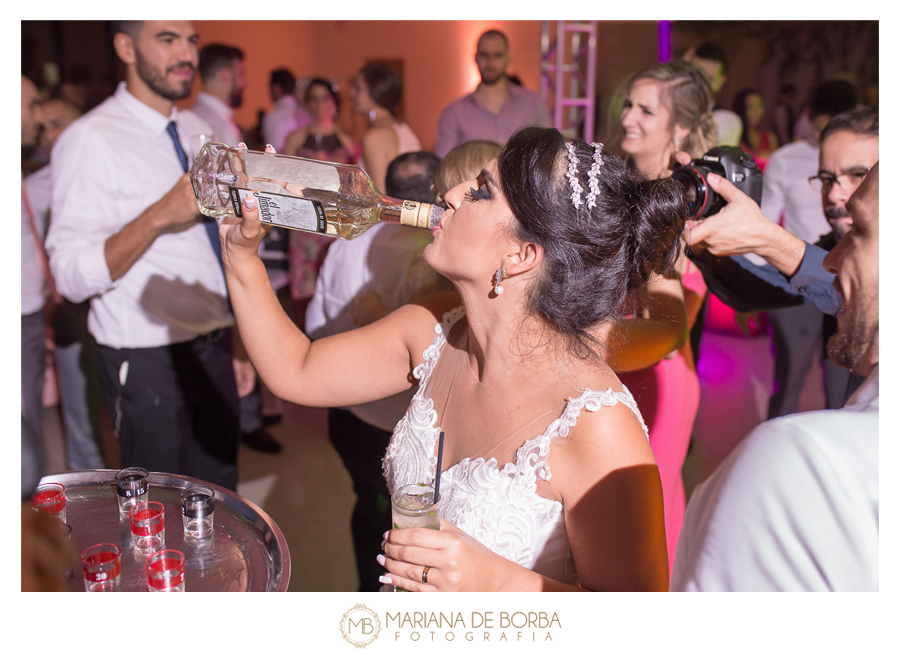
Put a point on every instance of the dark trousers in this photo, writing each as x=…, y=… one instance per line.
x=177, y=409
x=796, y=335
x=361, y=447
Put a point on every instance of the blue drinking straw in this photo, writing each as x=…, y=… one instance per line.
x=437, y=479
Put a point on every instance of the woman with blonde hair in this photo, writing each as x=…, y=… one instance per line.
x=462, y=163
x=667, y=109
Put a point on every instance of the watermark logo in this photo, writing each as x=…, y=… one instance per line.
x=360, y=626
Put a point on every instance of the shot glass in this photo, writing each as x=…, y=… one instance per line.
x=148, y=526
x=102, y=565
x=132, y=487
x=413, y=506
x=198, y=506
x=165, y=571
x=50, y=499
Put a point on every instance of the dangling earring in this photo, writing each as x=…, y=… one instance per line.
x=498, y=278
x=677, y=143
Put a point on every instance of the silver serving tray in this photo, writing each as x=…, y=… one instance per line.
x=247, y=552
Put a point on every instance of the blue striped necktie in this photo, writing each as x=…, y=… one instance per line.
x=209, y=223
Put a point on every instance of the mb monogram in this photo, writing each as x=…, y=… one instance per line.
x=360, y=625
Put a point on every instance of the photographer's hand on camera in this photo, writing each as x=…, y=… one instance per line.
x=740, y=228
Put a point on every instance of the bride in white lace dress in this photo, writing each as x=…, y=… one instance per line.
x=548, y=480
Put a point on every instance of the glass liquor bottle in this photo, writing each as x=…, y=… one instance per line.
x=308, y=195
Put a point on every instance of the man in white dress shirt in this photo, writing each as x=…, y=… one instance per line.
x=125, y=234
x=74, y=348
x=222, y=75
x=795, y=506
x=34, y=297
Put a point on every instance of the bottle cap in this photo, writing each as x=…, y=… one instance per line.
x=420, y=215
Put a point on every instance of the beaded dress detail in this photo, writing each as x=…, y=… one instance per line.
x=500, y=507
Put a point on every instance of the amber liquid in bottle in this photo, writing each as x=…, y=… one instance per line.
x=297, y=193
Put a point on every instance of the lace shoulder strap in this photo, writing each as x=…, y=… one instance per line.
x=532, y=456
x=433, y=351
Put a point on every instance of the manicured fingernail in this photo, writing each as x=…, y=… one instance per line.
x=269, y=147
x=380, y=560
x=385, y=579
x=249, y=203
x=241, y=145
x=386, y=534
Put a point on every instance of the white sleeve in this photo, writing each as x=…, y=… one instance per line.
x=773, y=196
x=83, y=211
x=315, y=310
x=780, y=515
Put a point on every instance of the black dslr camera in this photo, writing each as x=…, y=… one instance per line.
x=727, y=161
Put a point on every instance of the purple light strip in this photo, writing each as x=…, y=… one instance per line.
x=664, y=41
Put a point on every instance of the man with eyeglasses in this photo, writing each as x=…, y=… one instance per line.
x=795, y=506
x=789, y=199
x=793, y=271
x=849, y=151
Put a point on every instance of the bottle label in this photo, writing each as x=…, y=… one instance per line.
x=283, y=210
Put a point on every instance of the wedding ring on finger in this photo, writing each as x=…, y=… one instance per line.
x=425, y=575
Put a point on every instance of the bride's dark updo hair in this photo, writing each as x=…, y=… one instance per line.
x=596, y=260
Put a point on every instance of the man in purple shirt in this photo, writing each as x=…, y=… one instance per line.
x=497, y=107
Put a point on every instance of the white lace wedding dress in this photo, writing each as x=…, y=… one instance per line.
x=500, y=507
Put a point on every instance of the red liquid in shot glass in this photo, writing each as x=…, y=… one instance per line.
x=102, y=558
x=165, y=572
x=155, y=522
x=50, y=501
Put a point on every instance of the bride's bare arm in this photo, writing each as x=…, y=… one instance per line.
x=609, y=482
x=358, y=366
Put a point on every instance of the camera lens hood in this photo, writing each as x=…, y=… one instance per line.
x=697, y=193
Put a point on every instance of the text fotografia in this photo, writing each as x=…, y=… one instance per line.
x=478, y=626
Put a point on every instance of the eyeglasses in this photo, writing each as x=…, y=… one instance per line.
x=847, y=181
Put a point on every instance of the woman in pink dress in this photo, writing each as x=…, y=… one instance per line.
x=667, y=109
